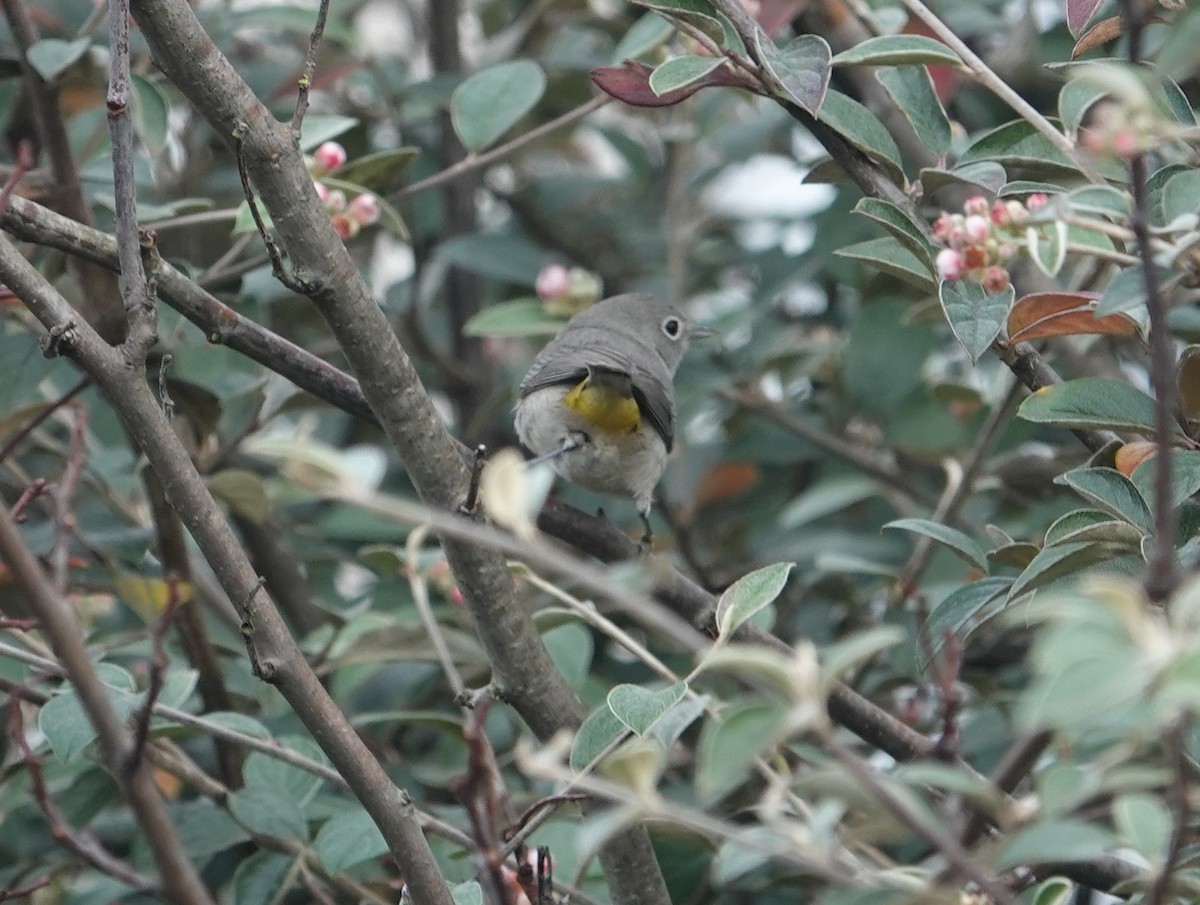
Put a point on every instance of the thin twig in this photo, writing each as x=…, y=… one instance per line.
x=15, y=440
x=946, y=844
x=986, y=77
x=1180, y=813
x=1162, y=566
x=477, y=161
x=310, y=67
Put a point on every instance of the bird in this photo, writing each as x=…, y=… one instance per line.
x=598, y=402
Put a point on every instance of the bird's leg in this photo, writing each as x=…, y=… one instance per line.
x=471, y=501
x=570, y=443
x=647, y=540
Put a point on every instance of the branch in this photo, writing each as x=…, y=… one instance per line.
x=1162, y=566
x=179, y=880
x=275, y=652
x=522, y=666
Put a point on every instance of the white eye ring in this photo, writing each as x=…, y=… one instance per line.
x=672, y=327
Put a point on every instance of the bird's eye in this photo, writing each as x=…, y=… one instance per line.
x=672, y=327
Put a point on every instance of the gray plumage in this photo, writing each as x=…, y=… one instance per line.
x=624, y=335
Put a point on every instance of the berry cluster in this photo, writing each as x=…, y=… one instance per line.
x=1118, y=130
x=983, y=239
x=348, y=217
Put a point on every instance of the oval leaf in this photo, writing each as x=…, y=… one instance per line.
x=1092, y=402
x=974, y=315
x=951, y=538
x=801, y=68
x=898, y=50
x=638, y=708
x=749, y=594
x=680, y=72
x=489, y=103
x=1043, y=314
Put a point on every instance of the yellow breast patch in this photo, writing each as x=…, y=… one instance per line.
x=603, y=407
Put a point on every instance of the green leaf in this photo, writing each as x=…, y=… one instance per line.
x=66, y=726
x=951, y=538
x=911, y=88
x=1076, y=98
x=861, y=128
x=1100, y=199
x=263, y=878
x=639, y=709
x=749, y=594
x=1156, y=191
x=1092, y=402
x=802, y=68
x=959, y=611
x=899, y=224
x=1018, y=144
x=889, y=256
x=570, y=647
x=205, y=829
x=261, y=771
x=1185, y=476
x=729, y=745
x=826, y=497
x=52, y=56
x=379, y=172
x=1111, y=491
x=699, y=13
x=985, y=175
x=647, y=33
x=1047, y=246
x=898, y=50
x=847, y=654
x=597, y=732
x=1058, y=561
x=1054, y=841
x=319, y=128
x=975, y=316
x=150, y=108
x=468, y=893
x=1055, y=891
x=679, y=72
x=347, y=839
x=244, y=221
x=270, y=811
x=1181, y=195
x=1144, y=824
x=489, y=103
x=520, y=317
x=1126, y=291
x=500, y=256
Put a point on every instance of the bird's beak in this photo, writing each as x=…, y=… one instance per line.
x=695, y=331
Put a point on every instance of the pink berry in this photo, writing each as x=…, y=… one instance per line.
x=950, y=264
x=942, y=227
x=553, y=281
x=999, y=214
x=976, y=228
x=1125, y=143
x=365, y=209
x=995, y=279
x=329, y=156
x=335, y=201
x=977, y=205
x=344, y=226
x=1036, y=200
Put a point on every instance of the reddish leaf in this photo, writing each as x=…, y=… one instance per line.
x=630, y=82
x=724, y=481
x=1045, y=314
x=1079, y=14
x=773, y=15
x=1104, y=31
x=946, y=79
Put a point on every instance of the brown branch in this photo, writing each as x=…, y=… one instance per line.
x=178, y=878
x=1181, y=812
x=522, y=667
x=279, y=659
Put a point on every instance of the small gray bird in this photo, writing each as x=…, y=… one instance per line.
x=599, y=400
